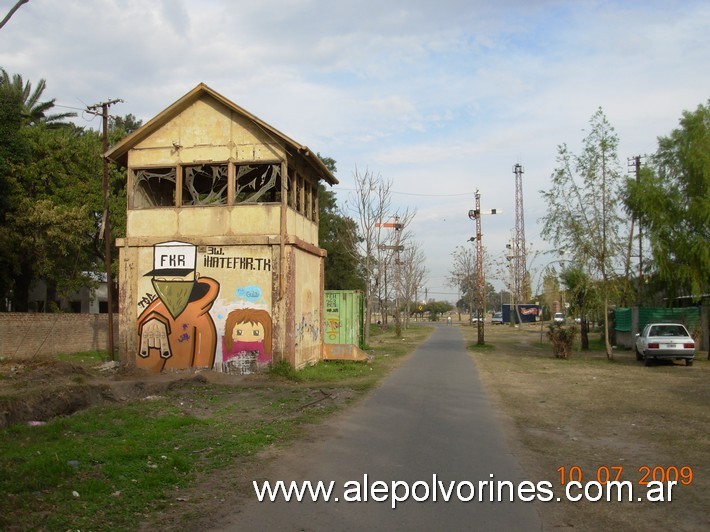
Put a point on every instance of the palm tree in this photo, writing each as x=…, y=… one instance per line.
x=34, y=111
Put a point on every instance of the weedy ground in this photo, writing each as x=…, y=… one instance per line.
x=600, y=417
x=90, y=448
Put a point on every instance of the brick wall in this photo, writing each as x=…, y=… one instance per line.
x=27, y=335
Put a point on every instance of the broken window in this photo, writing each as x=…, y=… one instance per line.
x=314, y=216
x=299, y=194
x=291, y=187
x=204, y=184
x=154, y=187
x=258, y=183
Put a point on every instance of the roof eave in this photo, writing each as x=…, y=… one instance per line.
x=119, y=152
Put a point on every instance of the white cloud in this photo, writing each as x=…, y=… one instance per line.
x=440, y=97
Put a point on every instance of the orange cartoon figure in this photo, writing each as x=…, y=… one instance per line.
x=176, y=330
x=246, y=344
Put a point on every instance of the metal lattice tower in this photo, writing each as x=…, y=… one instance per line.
x=519, y=260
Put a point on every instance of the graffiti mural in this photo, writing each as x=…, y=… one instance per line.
x=332, y=316
x=219, y=317
x=243, y=310
x=246, y=344
x=175, y=328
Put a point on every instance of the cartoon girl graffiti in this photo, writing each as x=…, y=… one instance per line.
x=246, y=344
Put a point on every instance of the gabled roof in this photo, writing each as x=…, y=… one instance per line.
x=119, y=152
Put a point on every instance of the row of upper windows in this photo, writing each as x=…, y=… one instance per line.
x=208, y=184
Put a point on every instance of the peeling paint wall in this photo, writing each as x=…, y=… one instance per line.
x=308, y=297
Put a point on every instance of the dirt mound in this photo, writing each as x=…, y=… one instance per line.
x=36, y=390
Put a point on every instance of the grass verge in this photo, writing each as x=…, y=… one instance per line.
x=596, y=415
x=122, y=466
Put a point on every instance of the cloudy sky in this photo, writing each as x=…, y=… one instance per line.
x=441, y=98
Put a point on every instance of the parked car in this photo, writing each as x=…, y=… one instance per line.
x=665, y=341
x=497, y=318
x=558, y=317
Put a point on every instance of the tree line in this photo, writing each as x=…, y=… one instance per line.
x=621, y=240
x=52, y=201
x=51, y=212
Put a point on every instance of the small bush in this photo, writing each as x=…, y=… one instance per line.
x=562, y=339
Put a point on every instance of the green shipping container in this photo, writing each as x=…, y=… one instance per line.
x=343, y=317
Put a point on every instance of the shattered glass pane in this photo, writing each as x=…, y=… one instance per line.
x=299, y=194
x=258, y=183
x=204, y=184
x=314, y=204
x=291, y=187
x=154, y=187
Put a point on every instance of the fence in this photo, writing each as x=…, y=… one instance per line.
x=630, y=321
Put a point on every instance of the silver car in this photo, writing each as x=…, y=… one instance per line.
x=669, y=341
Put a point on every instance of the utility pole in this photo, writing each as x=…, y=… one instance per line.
x=106, y=226
x=475, y=214
x=635, y=163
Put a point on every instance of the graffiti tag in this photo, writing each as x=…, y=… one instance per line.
x=250, y=293
x=237, y=263
x=146, y=300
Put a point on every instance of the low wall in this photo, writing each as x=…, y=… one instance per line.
x=24, y=335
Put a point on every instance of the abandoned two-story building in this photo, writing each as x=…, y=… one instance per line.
x=220, y=266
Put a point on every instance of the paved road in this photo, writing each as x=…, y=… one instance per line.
x=430, y=417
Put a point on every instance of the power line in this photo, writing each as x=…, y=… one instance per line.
x=69, y=107
x=416, y=194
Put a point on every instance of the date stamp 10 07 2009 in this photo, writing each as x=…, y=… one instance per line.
x=616, y=473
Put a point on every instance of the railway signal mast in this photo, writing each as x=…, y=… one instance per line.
x=475, y=214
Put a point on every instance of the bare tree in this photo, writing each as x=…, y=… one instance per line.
x=383, y=233
x=464, y=277
x=414, y=274
x=463, y=274
x=402, y=240
x=370, y=206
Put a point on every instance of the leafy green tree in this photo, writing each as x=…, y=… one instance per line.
x=584, y=215
x=34, y=110
x=437, y=308
x=119, y=128
x=337, y=234
x=51, y=203
x=581, y=296
x=13, y=150
x=50, y=225
x=122, y=126
x=671, y=200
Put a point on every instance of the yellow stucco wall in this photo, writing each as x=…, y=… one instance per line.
x=228, y=263
x=205, y=131
x=255, y=219
x=308, y=307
